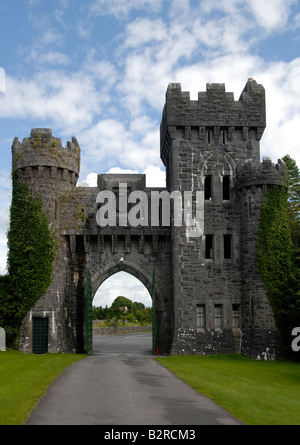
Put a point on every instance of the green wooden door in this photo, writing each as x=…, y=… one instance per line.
x=89, y=315
x=39, y=335
x=153, y=314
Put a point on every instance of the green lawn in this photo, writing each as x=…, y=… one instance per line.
x=24, y=379
x=256, y=392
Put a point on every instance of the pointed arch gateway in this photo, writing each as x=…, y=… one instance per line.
x=93, y=261
x=136, y=271
x=122, y=266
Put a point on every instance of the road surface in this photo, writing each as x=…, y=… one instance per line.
x=123, y=384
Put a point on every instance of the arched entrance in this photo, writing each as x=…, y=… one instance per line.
x=121, y=284
x=110, y=269
x=95, y=258
x=123, y=305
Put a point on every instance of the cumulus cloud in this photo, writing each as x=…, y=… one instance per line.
x=271, y=14
x=53, y=96
x=121, y=8
x=122, y=284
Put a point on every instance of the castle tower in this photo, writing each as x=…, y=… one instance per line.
x=51, y=171
x=46, y=166
x=213, y=145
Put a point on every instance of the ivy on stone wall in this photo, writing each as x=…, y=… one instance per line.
x=30, y=256
x=274, y=257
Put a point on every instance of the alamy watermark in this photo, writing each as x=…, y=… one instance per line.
x=296, y=341
x=132, y=209
x=2, y=80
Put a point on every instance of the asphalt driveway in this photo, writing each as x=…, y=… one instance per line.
x=123, y=384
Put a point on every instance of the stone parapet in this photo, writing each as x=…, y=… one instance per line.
x=41, y=149
x=254, y=173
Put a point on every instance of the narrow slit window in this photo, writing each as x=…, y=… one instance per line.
x=208, y=188
x=227, y=247
x=226, y=188
x=224, y=136
x=200, y=316
x=235, y=315
x=208, y=136
x=218, y=316
x=209, y=247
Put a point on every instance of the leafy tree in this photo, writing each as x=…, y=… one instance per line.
x=278, y=253
x=30, y=258
x=120, y=303
x=293, y=182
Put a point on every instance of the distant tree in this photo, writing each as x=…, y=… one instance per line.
x=139, y=305
x=120, y=303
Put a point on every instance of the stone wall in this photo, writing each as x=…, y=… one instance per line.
x=97, y=332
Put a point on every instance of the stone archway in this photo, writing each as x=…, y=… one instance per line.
x=125, y=266
x=140, y=263
x=131, y=284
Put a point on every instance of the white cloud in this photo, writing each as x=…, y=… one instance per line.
x=53, y=96
x=155, y=176
x=50, y=58
x=111, y=140
x=271, y=14
x=122, y=284
x=121, y=8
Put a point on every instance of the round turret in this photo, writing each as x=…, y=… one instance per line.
x=46, y=166
x=254, y=173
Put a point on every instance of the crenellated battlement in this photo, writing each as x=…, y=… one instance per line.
x=216, y=107
x=214, y=113
x=41, y=149
x=254, y=173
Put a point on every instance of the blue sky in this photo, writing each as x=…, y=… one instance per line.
x=98, y=70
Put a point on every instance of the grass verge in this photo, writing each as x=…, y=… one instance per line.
x=24, y=379
x=256, y=392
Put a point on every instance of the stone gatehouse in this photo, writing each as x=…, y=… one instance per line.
x=209, y=297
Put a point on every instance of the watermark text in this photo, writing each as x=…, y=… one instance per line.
x=296, y=341
x=2, y=80
x=156, y=208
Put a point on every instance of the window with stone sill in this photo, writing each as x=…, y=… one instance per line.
x=200, y=316
x=218, y=316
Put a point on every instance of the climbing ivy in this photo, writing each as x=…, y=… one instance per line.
x=30, y=257
x=274, y=259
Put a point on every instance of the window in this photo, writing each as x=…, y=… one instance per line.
x=209, y=247
x=218, y=316
x=208, y=187
x=200, y=308
x=226, y=188
x=235, y=315
x=227, y=246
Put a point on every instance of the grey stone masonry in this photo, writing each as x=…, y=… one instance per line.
x=212, y=145
x=209, y=296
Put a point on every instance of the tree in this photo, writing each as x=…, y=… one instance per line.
x=120, y=303
x=293, y=182
x=278, y=253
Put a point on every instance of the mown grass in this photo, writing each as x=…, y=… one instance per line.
x=256, y=392
x=24, y=379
